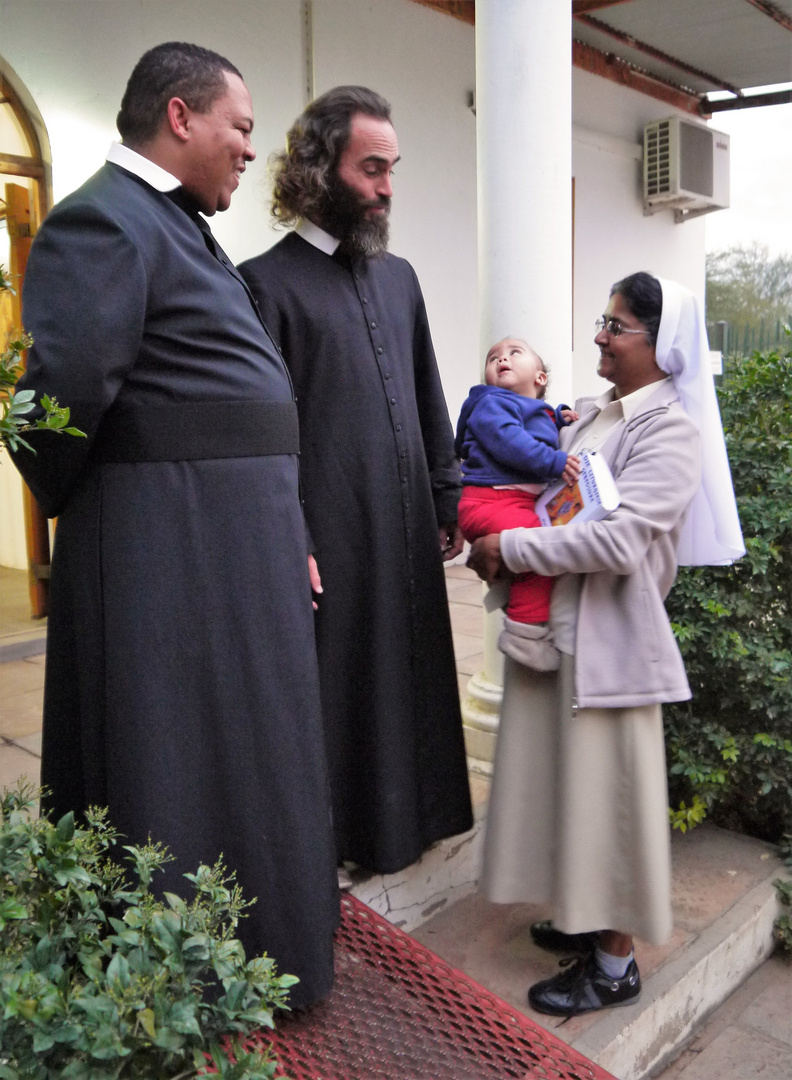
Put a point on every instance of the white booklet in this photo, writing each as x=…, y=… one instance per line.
x=594, y=496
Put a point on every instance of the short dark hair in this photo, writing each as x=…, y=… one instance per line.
x=314, y=145
x=643, y=295
x=174, y=69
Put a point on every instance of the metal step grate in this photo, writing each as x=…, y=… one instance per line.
x=398, y=1012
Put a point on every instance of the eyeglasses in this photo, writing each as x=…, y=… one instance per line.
x=614, y=327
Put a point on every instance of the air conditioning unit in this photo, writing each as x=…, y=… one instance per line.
x=686, y=168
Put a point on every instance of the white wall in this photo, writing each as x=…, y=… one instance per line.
x=76, y=55
x=423, y=62
x=612, y=237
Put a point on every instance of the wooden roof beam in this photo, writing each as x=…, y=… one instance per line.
x=611, y=67
x=657, y=54
x=583, y=7
x=464, y=10
x=747, y=101
x=772, y=12
x=620, y=71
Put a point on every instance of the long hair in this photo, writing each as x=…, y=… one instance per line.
x=314, y=145
x=643, y=295
x=174, y=69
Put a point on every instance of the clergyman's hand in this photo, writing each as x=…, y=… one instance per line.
x=485, y=558
x=451, y=541
x=316, y=581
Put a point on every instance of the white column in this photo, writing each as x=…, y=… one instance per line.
x=524, y=150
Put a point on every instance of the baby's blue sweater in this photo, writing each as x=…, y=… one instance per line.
x=504, y=438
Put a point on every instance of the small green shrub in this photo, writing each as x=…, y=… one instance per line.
x=730, y=748
x=101, y=981
x=15, y=407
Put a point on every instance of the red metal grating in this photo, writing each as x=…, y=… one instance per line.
x=399, y=1012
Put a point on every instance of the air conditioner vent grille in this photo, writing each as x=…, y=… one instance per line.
x=657, y=150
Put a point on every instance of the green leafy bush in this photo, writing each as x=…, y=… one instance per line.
x=15, y=407
x=730, y=748
x=101, y=981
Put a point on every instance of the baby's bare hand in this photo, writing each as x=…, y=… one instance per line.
x=570, y=415
x=571, y=470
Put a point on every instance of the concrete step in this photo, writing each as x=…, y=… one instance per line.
x=724, y=908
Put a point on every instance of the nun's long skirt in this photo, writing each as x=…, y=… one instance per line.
x=578, y=815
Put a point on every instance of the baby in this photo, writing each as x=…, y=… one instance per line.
x=507, y=439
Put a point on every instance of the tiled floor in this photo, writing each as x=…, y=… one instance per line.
x=21, y=693
x=14, y=603
x=20, y=634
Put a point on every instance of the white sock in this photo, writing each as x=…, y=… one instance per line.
x=615, y=967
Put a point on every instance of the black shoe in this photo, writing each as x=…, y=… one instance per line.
x=583, y=987
x=546, y=936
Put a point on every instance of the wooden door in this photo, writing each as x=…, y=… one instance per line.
x=21, y=226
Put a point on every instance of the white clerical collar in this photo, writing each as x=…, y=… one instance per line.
x=630, y=403
x=318, y=237
x=154, y=175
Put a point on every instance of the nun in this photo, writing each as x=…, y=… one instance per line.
x=578, y=816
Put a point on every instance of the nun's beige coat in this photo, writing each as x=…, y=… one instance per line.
x=578, y=814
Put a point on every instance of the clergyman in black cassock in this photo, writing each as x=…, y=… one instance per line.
x=379, y=477
x=181, y=682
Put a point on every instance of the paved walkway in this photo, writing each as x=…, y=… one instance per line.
x=747, y=1038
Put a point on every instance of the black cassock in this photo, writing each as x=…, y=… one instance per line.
x=378, y=474
x=181, y=682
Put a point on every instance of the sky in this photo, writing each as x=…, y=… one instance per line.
x=761, y=180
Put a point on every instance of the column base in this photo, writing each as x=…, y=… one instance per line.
x=480, y=717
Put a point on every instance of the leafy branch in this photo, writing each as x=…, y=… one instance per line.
x=16, y=407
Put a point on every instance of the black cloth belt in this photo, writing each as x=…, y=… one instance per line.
x=197, y=430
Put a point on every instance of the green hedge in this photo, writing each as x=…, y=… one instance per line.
x=730, y=748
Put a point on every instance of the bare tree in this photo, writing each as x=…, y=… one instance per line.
x=746, y=286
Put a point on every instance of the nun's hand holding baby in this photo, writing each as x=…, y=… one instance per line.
x=485, y=559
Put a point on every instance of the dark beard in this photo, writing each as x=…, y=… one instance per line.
x=344, y=217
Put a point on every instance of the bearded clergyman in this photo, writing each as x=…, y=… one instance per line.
x=379, y=478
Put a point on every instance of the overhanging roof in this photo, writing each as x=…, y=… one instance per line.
x=681, y=51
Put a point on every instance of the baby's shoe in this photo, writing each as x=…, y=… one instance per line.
x=530, y=644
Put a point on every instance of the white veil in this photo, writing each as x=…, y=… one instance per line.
x=711, y=535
